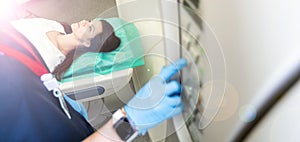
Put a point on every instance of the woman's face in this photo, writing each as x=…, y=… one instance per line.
x=84, y=31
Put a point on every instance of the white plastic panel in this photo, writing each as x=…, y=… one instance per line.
x=258, y=38
x=281, y=123
x=111, y=83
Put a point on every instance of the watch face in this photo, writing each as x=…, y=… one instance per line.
x=124, y=129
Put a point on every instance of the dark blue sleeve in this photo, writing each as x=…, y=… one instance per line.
x=28, y=112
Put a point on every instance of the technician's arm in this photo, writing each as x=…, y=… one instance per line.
x=156, y=101
x=105, y=134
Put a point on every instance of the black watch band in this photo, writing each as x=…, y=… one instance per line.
x=123, y=127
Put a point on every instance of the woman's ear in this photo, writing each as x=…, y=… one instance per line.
x=86, y=43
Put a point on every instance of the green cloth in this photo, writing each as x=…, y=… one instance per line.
x=129, y=54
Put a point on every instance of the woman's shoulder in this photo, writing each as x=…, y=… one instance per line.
x=35, y=21
x=37, y=24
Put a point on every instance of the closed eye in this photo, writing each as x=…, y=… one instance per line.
x=91, y=28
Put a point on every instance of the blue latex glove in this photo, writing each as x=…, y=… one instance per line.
x=77, y=106
x=157, y=101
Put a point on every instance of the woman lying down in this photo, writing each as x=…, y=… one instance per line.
x=30, y=112
x=60, y=44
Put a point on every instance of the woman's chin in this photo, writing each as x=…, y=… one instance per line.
x=73, y=26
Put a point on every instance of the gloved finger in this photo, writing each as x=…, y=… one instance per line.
x=167, y=72
x=172, y=88
x=173, y=101
x=175, y=111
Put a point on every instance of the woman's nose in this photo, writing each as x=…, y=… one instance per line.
x=84, y=23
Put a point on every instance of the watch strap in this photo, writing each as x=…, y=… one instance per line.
x=117, y=116
x=117, y=119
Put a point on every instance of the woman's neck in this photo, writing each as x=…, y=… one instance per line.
x=65, y=43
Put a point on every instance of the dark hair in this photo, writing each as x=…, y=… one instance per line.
x=106, y=41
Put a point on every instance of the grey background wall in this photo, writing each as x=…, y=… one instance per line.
x=71, y=10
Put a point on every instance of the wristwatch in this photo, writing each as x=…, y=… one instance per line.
x=123, y=127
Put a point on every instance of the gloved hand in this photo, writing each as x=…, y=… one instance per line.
x=157, y=101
